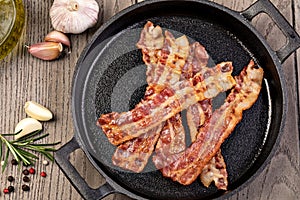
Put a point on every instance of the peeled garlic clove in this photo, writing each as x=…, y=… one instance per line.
x=59, y=37
x=74, y=16
x=46, y=50
x=27, y=125
x=37, y=111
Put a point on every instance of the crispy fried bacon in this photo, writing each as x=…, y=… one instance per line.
x=197, y=114
x=134, y=154
x=164, y=57
x=171, y=142
x=215, y=170
x=151, y=39
x=178, y=79
x=196, y=61
x=120, y=127
x=178, y=50
x=223, y=121
x=173, y=131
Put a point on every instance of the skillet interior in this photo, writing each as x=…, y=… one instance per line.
x=105, y=68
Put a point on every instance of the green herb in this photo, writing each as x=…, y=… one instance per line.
x=24, y=149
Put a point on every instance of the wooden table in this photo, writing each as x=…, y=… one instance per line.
x=23, y=78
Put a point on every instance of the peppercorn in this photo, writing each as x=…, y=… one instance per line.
x=45, y=162
x=32, y=170
x=25, y=187
x=10, y=178
x=26, y=179
x=14, y=162
x=25, y=172
x=11, y=188
x=5, y=191
x=43, y=174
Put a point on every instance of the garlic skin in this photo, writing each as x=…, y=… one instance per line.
x=46, y=50
x=59, y=37
x=74, y=16
x=27, y=125
x=37, y=111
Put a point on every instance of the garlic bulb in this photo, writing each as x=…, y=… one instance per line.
x=74, y=16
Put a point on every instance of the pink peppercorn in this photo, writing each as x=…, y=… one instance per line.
x=5, y=191
x=32, y=170
x=43, y=174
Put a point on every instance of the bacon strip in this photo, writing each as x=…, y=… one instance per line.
x=171, y=142
x=164, y=57
x=215, y=170
x=173, y=135
x=197, y=114
x=134, y=154
x=223, y=121
x=196, y=61
x=120, y=127
x=151, y=40
x=178, y=52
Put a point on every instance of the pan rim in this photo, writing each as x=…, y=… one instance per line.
x=230, y=12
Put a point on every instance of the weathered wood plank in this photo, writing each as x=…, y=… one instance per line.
x=111, y=7
x=297, y=25
x=26, y=78
x=23, y=78
x=235, y=5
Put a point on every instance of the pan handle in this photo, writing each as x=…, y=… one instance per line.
x=62, y=159
x=293, y=39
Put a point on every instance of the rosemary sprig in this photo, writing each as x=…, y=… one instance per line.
x=24, y=149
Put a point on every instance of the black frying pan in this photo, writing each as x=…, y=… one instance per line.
x=110, y=76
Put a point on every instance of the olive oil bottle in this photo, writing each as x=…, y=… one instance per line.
x=12, y=18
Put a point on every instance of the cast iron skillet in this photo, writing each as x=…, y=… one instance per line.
x=110, y=76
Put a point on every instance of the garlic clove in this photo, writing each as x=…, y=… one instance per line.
x=46, y=50
x=74, y=16
x=27, y=125
x=59, y=37
x=37, y=111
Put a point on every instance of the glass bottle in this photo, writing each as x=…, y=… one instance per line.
x=12, y=18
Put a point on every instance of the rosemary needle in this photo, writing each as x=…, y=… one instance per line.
x=24, y=149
